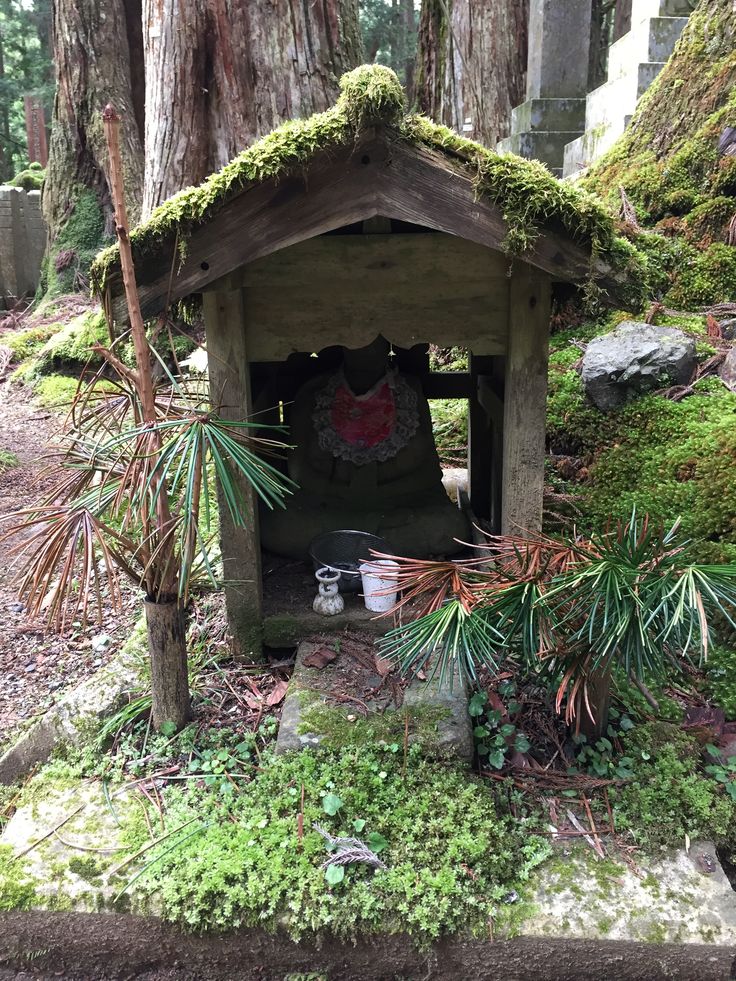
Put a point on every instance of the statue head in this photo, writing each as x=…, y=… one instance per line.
x=363, y=366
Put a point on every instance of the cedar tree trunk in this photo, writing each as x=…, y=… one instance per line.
x=220, y=74
x=471, y=68
x=93, y=62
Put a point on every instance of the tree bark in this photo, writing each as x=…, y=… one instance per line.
x=471, y=64
x=599, y=697
x=93, y=61
x=221, y=73
x=621, y=19
x=168, y=654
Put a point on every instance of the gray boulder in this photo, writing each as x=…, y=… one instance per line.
x=728, y=370
x=728, y=329
x=633, y=359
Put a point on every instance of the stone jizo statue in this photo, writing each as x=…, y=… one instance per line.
x=365, y=459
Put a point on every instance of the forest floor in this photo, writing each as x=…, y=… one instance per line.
x=37, y=666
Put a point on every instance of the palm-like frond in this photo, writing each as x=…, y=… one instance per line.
x=451, y=642
x=625, y=598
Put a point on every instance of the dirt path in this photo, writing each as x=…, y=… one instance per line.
x=35, y=666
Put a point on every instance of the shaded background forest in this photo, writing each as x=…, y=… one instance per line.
x=203, y=80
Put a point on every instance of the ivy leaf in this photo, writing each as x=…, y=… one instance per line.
x=331, y=804
x=334, y=874
x=497, y=759
x=358, y=824
x=626, y=723
x=522, y=744
x=376, y=842
x=167, y=728
x=477, y=703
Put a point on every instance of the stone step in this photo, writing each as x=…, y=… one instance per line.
x=617, y=99
x=316, y=712
x=548, y=115
x=652, y=40
x=545, y=146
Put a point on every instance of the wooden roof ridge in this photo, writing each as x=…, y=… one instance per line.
x=361, y=158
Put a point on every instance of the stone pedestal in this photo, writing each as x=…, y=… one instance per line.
x=554, y=111
x=634, y=61
x=320, y=710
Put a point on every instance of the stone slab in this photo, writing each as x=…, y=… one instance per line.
x=553, y=69
x=652, y=40
x=678, y=900
x=681, y=897
x=548, y=147
x=76, y=712
x=549, y=115
x=438, y=717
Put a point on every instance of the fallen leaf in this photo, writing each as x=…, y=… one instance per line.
x=278, y=693
x=320, y=657
x=383, y=665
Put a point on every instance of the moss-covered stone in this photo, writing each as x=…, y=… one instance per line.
x=668, y=162
x=529, y=196
x=339, y=727
x=30, y=179
x=68, y=347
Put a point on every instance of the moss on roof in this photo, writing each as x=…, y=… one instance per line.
x=528, y=195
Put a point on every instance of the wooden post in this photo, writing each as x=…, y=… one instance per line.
x=230, y=395
x=525, y=403
x=479, y=441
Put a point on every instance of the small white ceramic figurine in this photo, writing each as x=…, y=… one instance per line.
x=328, y=600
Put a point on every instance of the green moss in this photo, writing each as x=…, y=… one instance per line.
x=720, y=671
x=17, y=889
x=8, y=460
x=671, y=459
x=707, y=277
x=528, y=195
x=336, y=731
x=26, y=343
x=55, y=391
x=30, y=179
x=247, y=866
x=669, y=798
x=74, y=247
x=69, y=347
x=86, y=868
x=708, y=222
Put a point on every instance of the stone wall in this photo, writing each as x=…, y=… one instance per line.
x=22, y=243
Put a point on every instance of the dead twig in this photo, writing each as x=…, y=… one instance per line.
x=348, y=851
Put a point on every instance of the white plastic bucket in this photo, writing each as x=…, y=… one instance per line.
x=374, y=587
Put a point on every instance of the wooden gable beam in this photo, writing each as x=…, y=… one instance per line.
x=377, y=175
x=424, y=187
x=337, y=190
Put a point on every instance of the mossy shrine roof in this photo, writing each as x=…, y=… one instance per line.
x=362, y=158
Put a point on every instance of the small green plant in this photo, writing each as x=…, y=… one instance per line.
x=603, y=757
x=724, y=773
x=8, y=460
x=496, y=735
